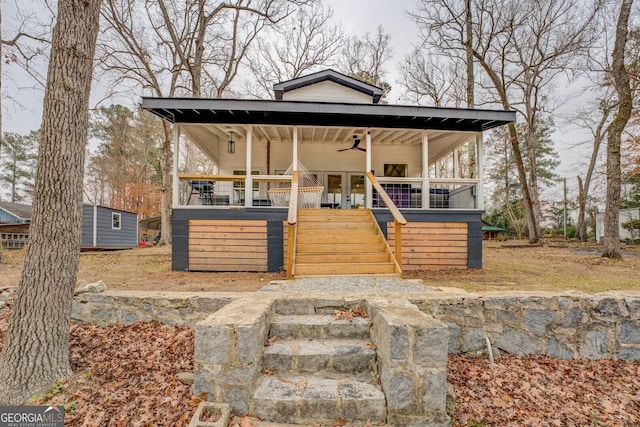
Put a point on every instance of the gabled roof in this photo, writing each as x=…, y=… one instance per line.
x=374, y=91
x=18, y=210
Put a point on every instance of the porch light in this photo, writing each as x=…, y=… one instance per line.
x=231, y=145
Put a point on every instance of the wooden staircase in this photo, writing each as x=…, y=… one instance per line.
x=332, y=242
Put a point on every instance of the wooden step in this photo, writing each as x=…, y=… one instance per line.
x=339, y=247
x=315, y=258
x=362, y=238
x=342, y=225
x=332, y=269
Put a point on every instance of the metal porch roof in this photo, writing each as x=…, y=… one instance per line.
x=296, y=113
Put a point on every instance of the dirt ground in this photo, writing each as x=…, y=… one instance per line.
x=510, y=265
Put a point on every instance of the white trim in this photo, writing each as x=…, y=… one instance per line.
x=480, y=171
x=113, y=217
x=248, y=182
x=176, y=155
x=368, y=188
x=294, y=163
x=425, y=170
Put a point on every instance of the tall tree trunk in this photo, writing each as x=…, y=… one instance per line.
x=614, y=135
x=36, y=351
x=582, y=207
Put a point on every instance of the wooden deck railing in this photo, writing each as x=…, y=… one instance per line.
x=292, y=219
x=398, y=219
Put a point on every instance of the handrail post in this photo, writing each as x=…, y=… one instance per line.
x=290, y=248
x=398, y=242
x=292, y=219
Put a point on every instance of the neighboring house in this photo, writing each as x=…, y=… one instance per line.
x=14, y=213
x=14, y=225
x=102, y=227
x=326, y=134
x=106, y=228
x=491, y=232
x=625, y=215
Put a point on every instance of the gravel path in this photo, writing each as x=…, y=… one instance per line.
x=348, y=284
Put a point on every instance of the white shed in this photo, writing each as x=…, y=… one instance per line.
x=625, y=216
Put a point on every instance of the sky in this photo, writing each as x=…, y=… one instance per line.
x=22, y=103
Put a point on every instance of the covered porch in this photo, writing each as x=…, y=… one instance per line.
x=421, y=164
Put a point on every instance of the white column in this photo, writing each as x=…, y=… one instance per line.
x=248, y=182
x=294, y=163
x=176, y=157
x=368, y=189
x=425, y=170
x=480, y=171
x=456, y=165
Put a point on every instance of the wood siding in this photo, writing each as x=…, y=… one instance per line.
x=227, y=245
x=432, y=245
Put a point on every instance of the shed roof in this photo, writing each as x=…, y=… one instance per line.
x=331, y=75
x=18, y=210
x=298, y=113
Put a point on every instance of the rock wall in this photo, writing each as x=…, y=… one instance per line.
x=562, y=326
x=558, y=325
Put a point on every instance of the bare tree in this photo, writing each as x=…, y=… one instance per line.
x=614, y=133
x=36, y=350
x=521, y=46
x=300, y=45
x=365, y=57
x=174, y=48
x=431, y=78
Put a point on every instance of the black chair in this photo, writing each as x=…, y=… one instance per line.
x=203, y=190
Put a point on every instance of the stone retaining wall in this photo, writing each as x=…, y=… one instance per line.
x=558, y=325
x=563, y=326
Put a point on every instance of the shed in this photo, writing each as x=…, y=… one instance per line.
x=107, y=228
x=14, y=213
x=491, y=232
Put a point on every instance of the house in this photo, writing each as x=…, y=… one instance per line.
x=14, y=225
x=102, y=227
x=380, y=188
x=107, y=228
x=625, y=215
x=491, y=232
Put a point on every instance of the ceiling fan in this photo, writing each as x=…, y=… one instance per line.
x=355, y=146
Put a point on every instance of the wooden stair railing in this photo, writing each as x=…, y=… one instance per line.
x=398, y=219
x=292, y=219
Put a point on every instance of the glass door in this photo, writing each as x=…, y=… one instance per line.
x=344, y=190
x=334, y=189
x=356, y=191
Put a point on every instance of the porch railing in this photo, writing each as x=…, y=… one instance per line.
x=436, y=193
x=398, y=219
x=292, y=220
x=227, y=190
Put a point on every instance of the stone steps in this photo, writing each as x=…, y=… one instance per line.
x=308, y=400
x=340, y=356
x=318, y=369
x=318, y=327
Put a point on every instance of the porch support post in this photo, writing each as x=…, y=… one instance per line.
x=456, y=163
x=480, y=171
x=294, y=164
x=248, y=181
x=368, y=189
x=176, y=154
x=425, y=170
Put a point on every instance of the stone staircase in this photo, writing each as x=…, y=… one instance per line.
x=341, y=242
x=319, y=369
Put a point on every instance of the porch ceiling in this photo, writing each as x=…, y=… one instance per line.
x=319, y=114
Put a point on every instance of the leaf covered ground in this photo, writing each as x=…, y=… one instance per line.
x=125, y=376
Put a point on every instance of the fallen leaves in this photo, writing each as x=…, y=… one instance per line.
x=270, y=341
x=344, y=314
x=545, y=391
x=268, y=371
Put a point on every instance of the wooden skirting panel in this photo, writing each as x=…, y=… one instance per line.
x=227, y=245
x=432, y=245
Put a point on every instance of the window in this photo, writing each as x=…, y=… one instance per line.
x=396, y=170
x=116, y=220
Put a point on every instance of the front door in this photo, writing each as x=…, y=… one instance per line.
x=344, y=189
